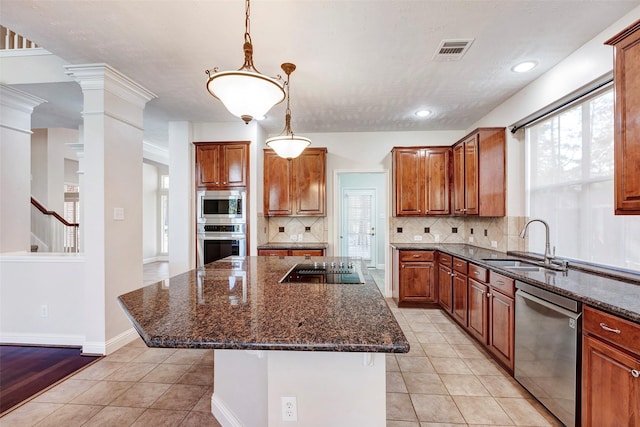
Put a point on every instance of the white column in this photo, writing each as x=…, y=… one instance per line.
x=15, y=168
x=181, y=198
x=112, y=135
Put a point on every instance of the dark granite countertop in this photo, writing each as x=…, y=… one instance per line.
x=237, y=303
x=617, y=296
x=294, y=245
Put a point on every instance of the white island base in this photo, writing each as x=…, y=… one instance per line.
x=331, y=388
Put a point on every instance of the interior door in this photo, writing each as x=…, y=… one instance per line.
x=358, y=236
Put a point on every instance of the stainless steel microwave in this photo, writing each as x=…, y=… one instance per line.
x=222, y=207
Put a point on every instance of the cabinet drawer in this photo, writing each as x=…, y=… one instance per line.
x=501, y=283
x=460, y=265
x=307, y=252
x=478, y=273
x=620, y=332
x=408, y=256
x=446, y=259
x=273, y=252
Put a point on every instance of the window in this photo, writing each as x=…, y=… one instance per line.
x=164, y=214
x=72, y=215
x=570, y=185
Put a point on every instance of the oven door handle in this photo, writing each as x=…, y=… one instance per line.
x=209, y=236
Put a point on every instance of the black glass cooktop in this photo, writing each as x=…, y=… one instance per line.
x=324, y=273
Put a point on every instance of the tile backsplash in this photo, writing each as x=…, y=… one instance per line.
x=296, y=229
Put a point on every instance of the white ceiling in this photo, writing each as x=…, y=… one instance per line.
x=363, y=65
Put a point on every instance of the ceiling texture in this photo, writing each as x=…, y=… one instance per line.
x=364, y=65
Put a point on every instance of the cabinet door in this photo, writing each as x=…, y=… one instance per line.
x=458, y=179
x=444, y=287
x=627, y=125
x=437, y=162
x=471, y=176
x=409, y=177
x=501, y=327
x=459, y=309
x=307, y=252
x=610, y=392
x=207, y=166
x=478, y=315
x=416, y=282
x=310, y=182
x=273, y=252
x=277, y=185
x=233, y=171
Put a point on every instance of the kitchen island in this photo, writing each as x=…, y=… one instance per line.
x=323, y=344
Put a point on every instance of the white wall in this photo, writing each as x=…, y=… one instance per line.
x=30, y=281
x=150, y=217
x=39, y=166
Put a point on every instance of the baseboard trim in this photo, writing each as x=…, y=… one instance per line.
x=45, y=339
x=223, y=414
x=115, y=343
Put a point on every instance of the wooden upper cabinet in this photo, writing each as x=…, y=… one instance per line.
x=221, y=165
x=479, y=173
x=421, y=180
x=295, y=187
x=627, y=120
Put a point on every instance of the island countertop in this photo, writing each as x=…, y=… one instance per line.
x=238, y=303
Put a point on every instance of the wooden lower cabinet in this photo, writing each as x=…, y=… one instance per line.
x=501, y=328
x=290, y=252
x=478, y=311
x=416, y=284
x=445, y=285
x=460, y=292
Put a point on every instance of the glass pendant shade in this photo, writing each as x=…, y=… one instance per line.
x=246, y=94
x=288, y=146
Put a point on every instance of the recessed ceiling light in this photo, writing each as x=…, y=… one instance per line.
x=423, y=113
x=523, y=67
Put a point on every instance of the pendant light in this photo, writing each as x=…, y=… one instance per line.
x=246, y=93
x=288, y=145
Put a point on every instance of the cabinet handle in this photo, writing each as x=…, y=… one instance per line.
x=416, y=256
x=402, y=266
x=635, y=373
x=488, y=295
x=608, y=329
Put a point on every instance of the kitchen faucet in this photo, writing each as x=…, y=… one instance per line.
x=547, y=251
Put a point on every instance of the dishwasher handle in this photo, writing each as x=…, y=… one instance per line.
x=567, y=313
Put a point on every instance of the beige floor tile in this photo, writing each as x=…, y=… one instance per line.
x=424, y=383
x=463, y=385
x=186, y=357
x=29, y=414
x=137, y=342
x=204, y=404
x=524, y=412
x=448, y=327
x=70, y=415
x=415, y=364
x=399, y=407
x=166, y=373
x=423, y=424
x=503, y=386
x=442, y=349
x=392, y=363
x=66, y=391
x=131, y=372
x=457, y=338
x=103, y=393
x=99, y=370
x=208, y=358
x=141, y=395
x=395, y=383
x=436, y=408
x=198, y=375
x=424, y=327
x=154, y=355
x=415, y=350
x=402, y=424
x=469, y=351
x=481, y=410
x=484, y=367
x=180, y=397
x=126, y=354
x=430, y=337
x=200, y=419
x=114, y=416
x=449, y=365
x=160, y=418
x=410, y=335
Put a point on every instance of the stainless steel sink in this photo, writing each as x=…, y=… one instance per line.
x=513, y=264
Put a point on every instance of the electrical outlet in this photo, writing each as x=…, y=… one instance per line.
x=470, y=239
x=44, y=310
x=417, y=238
x=436, y=237
x=289, y=409
x=494, y=244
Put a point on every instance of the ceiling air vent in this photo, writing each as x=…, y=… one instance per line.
x=452, y=49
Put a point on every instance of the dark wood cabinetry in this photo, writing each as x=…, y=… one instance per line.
x=460, y=292
x=291, y=252
x=445, y=281
x=627, y=124
x=610, y=370
x=421, y=177
x=221, y=165
x=501, y=323
x=479, y=173
x=295, y=187
x=414, y=283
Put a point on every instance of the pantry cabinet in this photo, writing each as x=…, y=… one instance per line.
x=295, y=187
x=221, y=165
x=421, y=177
x=626, y=122
x=479, y=173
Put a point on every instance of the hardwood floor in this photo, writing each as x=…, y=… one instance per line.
x=27, y=370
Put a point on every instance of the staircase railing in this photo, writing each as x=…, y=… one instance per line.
x=52, y=231
x=10, y=40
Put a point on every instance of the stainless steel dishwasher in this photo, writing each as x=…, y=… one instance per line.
x=547, y=342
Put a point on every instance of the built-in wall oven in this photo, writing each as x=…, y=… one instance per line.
x=217, y=241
